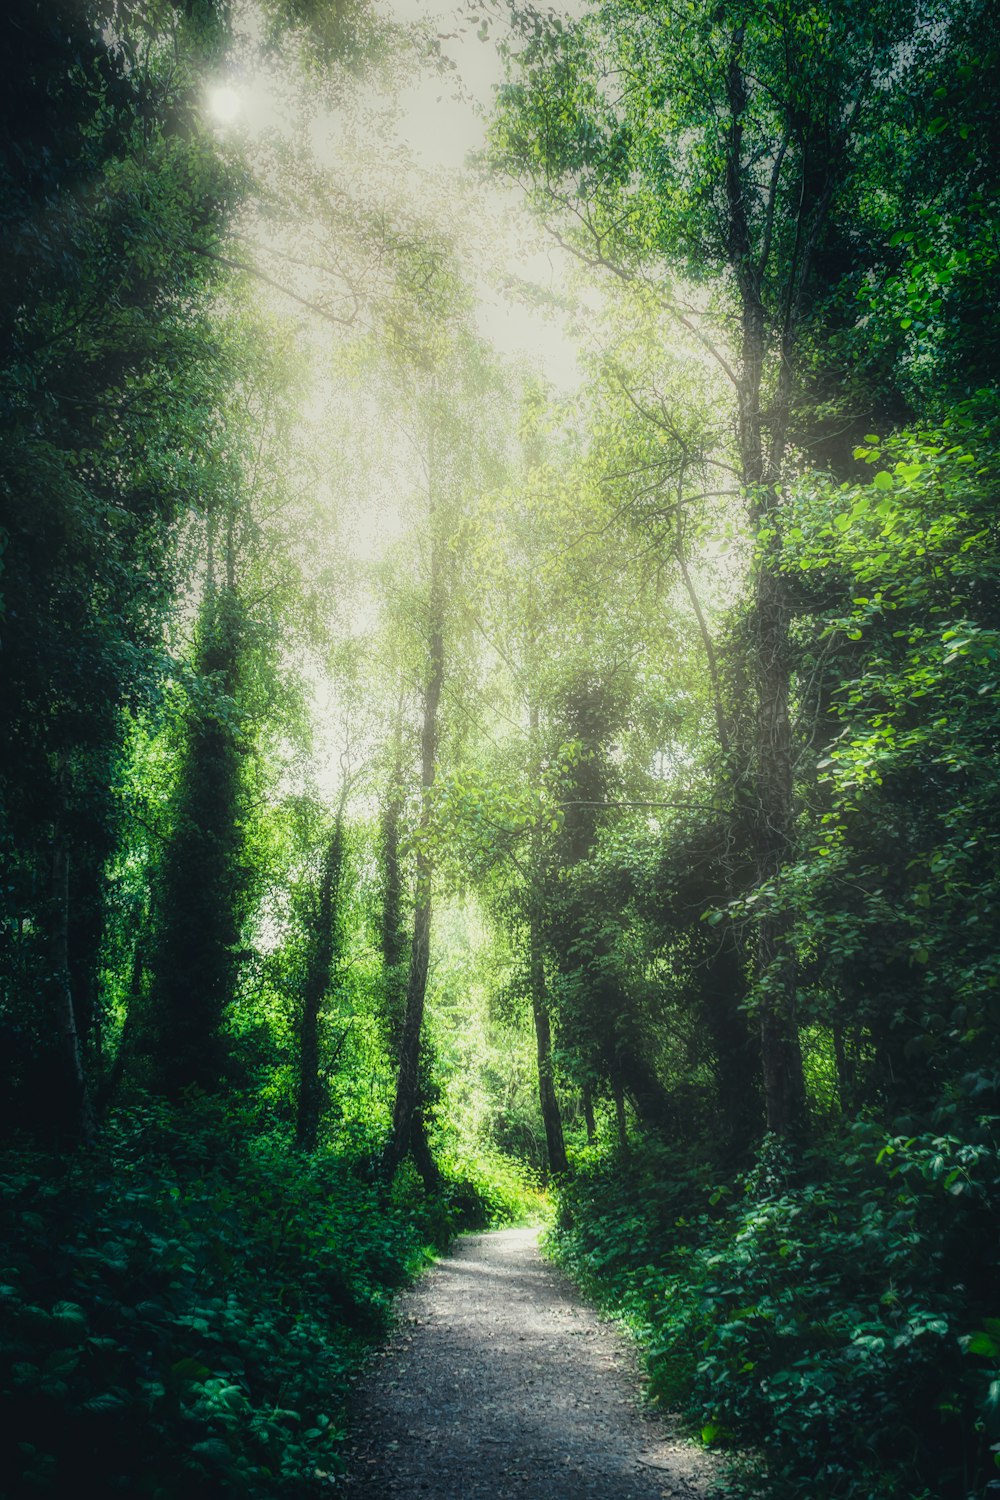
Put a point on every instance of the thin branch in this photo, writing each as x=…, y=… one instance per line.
x=772, y=198
x=599, y=261
x=706, y=638
x=671, y=803
x=322, y=312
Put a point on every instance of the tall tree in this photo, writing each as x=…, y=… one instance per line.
x=408, y=1125
x=105, y=157
x=720, y=142
x=325, y=942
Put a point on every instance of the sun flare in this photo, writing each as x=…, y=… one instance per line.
x=224, y=103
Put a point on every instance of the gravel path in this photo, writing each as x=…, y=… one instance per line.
x=501, y=1382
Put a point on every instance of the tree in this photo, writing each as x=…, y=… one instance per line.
x=408, y=1122
x=326, y=940
x=104, y=158
x=720, y=143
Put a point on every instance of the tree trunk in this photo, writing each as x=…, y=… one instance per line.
x=618, y=1088
x=587, y=1100
x=73, y=1111
x=555, y=1145
x=319, y=972
x=202, y=882
x=408, y=1125
x=845, y=1073
x=112, y=1079
x=784, y=1091
x=784, y=1088
x=393, y=940
x=735, y=1048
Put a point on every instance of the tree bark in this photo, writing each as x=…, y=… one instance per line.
x=618, y=1089
x=393, y=940
x=73, y=1112
x=319, y=972
x=587, y=1100
x=784, y=1091
x=784, y=1088
x=408, y=1125
x=555, y=1145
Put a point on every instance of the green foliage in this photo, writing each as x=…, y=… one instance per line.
x=182, y=1310
x=201, y=903
x=830, y=1313
x=184, y=1303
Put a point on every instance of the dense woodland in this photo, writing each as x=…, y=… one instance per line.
x=432, y=795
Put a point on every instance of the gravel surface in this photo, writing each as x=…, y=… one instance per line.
x=499, y=1381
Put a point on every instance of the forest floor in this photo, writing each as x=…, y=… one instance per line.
x=500, y=1381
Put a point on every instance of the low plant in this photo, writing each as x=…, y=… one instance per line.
x=835, y=1313
x=182, y=1309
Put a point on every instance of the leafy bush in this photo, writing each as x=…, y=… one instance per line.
x=488, y=1189
x=837, y=1315
x=182, y=1309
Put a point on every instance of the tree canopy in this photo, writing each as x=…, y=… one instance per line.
x=500, y=713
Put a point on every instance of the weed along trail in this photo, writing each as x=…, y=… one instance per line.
x=501, y=1382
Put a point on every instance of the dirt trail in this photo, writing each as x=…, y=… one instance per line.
x=500, y=1382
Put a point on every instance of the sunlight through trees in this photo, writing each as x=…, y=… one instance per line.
x=499, y=620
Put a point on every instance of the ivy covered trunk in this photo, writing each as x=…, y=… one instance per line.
x=202, y=884
x=784, y=1089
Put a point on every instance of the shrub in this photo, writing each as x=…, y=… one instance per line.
x=183, y=1307
x=837, y=1313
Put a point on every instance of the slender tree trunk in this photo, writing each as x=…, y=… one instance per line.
x=319, y=972
x=737, y=1055
x=845, y=1080
x=587, y=1100
x=784, y=1091
x=74, y=1110
x=555, y=1145
x=784, y=1088
x=393, y=940
x=618, y=1088
x=404, y=1116
x=408, y=1123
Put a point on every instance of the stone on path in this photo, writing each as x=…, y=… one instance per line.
x=500, y=1382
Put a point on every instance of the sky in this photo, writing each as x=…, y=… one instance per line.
x=440, y=122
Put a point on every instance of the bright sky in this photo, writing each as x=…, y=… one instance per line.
x=434, y=124
x=440, y=120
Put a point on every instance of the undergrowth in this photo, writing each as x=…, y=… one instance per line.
x=182, y=1308
x=835, y=1314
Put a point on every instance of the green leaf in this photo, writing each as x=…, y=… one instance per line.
x=883, y=480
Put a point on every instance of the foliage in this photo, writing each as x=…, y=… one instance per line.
x=832, y=1312
x=183, y=1309
x=649, y=735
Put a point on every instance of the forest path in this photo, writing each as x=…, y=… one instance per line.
x=499, y=1381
